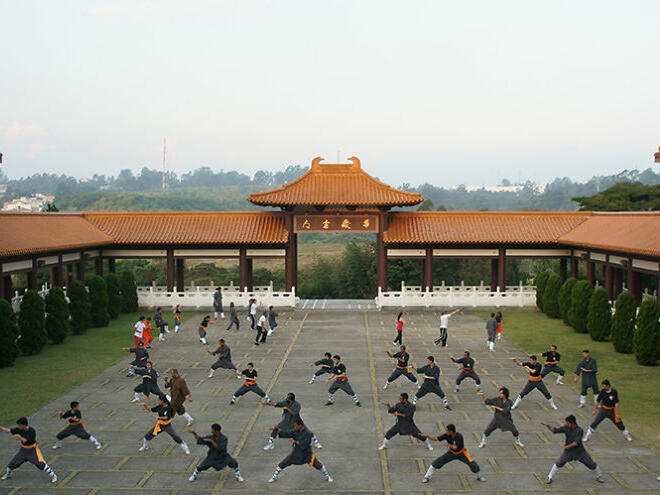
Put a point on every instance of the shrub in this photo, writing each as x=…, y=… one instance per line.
x=31, y=321
x=551, y=296
x=98, y=299
x=647, y=335
x=599, y=315
x=79, y=307
x=8, y=333
x=128, y=292
x=565, y=298
x=623, y=323
x=115, y=301
x=541, y=279
x=577, y=314
x=57, y=315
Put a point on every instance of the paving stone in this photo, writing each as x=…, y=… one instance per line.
x=108, y=479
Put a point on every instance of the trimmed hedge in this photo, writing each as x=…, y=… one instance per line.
x=115, y=301
x=541, y=279
x=8, y=333
x=79, y=307
x=647, y=335
x=565, y=294
x=551, y=296
x=623, y=323
x=31, y=324
x=57, y=315
x=577, y=314
x=599, y=316
x=98, y=299
x=129, y=292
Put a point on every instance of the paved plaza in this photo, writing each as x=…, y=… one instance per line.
x=350, y=435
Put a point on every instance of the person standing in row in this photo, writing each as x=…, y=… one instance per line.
x=252, y=313
x=149, y=383
x=204, y=324
x=404, y=412
x=180, y=392
x=456, y=452
x=534, y=382
x=29, y=451
x=607, y=407
x=177, y=318
x=147, y=336
x=223, y=353
x=325, y=366
x=467, y=371
x=76, y=427
x=431, y=373
x=163, y=414
x=491, y=328
x=261, y=329
x=402, y=357
x=501, y=418
x=217, y=303
x=340, y=382
x=399, y=329
x=250, y=385
x=573, y=449
x=161, y=324
x=444, y=325
x=217, y=457
x=499, y=318
x=141, y=357
x=138, y=331
x=272, y=319
x=233, y=317
x=552, y=358
x=588, y=369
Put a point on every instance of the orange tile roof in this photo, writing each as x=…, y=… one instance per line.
x=227, y=227
x=32, y=233
x=444, y=227
x=336, y=184
x=634, y=232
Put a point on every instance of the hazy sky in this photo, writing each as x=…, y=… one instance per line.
x=445, y=91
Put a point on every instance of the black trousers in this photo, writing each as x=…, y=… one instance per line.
x=76, y=430
x=606, y=414
x=430, y=388
x=252, y=388
x=464, y=374
x=552, y=369
x=401, y=371
x=449, y=456
x=288, y=461
x=540, y=386
x=163, y=428
x=398, y=337
x=217, y=464
x=443, y=337
x=32, y=455
x=261, y=335
x=580, y=456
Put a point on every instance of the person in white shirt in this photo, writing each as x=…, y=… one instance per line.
x=262, y=331
x=253, y=313
x=444, y=323
x=138, y=329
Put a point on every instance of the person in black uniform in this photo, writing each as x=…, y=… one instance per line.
x=290, y=412
x=607, y=407
x=551, y=365
x=250, y=385
x=588, y=368
x=149, y=383
x=217, y=457
x=402, y=357
x=29, y=451
x=340, y=382
x=163, y=413
x=325, y=366
x=141, y=357
x=404, y=412
x=301, y=438
x=431, y=373
x=535, y=381
x=456, y=452
x=76, y=427
x=467, y=371
x=573, y=449
x=502, y=417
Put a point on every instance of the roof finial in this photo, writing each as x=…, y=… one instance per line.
x=316, y=161
x=656, y=156
x=355, y=160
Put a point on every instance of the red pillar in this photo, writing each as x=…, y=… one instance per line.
x=590, y=272
x=428, y=270
x=180, y=268
x=32, y=276
x=290, y=257
x=81, y=267
x=248, y=269
x=574, y=267
x=608, y=277
x=56, y=275
x=170, y=269
x=99, y=266
x=501, y=270
x=381, y=266
x=69, y=274
x=618, y=281
x=493, y=274
x=634, y=285
x=562, y=269
x=242, y=269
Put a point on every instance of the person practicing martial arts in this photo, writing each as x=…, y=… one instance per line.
x=217, y=303
x=340, y=382
x=573, y=449
x=161, y=324
x=217, y=457
x=233, y=317
x=180, y=392
x=138, y=331
x=607, y=407
x=149, y=383
x=456, y=452
x=431, y=375
x=588, y=369
x=491, y=330
x=444, y=325
x=163, y=413
x=141, y=357
x=551, y=365
x=177, y=318
x=76, y=427
x=467, y=371
x=325, y=366
x=290, y=412
x=399, y=329
x=203, y=325
x=250, y=385
x=262, y=332
x=223, y=353
x=272, y=319
x=534, y=382
x=301, y=438
x=29, y=451
x=402, y=357
x=501, y=418
x=404, y=412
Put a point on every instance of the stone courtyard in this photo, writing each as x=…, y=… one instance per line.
x=350, y=435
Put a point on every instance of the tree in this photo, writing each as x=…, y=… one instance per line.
x=541, y=279
x=647, y=335
x=577, y=314
x=551, y=296
x=98, y=299
x=49, y=208
x=8, y=333
x=31, y=321
x=426, y=205
x=115, y=301
x=128, y=292
x=57, y=315
x=565, y=298
x=623, y=323
x=623, y=197
x=599, y=316
x=79, y=307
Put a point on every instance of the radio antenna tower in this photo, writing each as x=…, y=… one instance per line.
x=164, y=160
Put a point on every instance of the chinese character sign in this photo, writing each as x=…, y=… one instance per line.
x=365, y=224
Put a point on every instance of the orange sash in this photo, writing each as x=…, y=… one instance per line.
x=464, y=452
x=75, y=423
x=311, y=462
x=157, y=428
x=534, y=378
x=341, y=378
x=250, y=381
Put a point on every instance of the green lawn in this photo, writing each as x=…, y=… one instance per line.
x=638, y=386
x=36, y=380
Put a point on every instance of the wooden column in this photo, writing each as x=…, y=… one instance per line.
x=381, y=253
x=618, y=281
x=81, y=267
x=180, y=268
x=493, y=275
x=590, y=272
x=99, y=265
x=248, y=269
x=242, y=269
x=112, y=266
x=574, y=268
x=69, y=274
x=56, y=275
x=32, y=276
x=291, y=255
x=634, y=286
x=657, y=294
x=170, y=269
x=562, y=269
x=5, y=287
x=501, y=270
x=608, y=278
x=427, y=275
